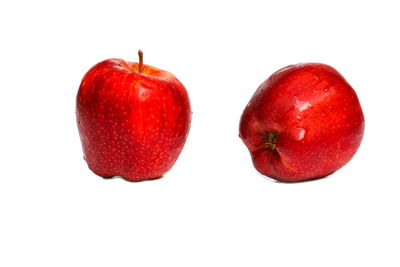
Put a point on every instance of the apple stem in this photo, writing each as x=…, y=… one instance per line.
x=140, y=53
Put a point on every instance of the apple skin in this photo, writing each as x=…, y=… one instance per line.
x=131, y=124
x=304, y=122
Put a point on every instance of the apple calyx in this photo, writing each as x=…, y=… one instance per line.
x=140, y=53
x=269, y=140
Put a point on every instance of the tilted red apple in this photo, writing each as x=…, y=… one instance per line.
x=133, y=119
x=304, y=122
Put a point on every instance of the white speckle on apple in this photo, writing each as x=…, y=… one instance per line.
x=302, y=105
x=301, y=133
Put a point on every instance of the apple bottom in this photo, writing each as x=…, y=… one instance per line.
x=134, y=159
x=121, y=177
x=136, y=170
x=271, y=164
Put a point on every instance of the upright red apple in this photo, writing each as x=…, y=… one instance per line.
x=133, y=119
x=304, y=122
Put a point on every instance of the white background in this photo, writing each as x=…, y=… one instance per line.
x=212, y=208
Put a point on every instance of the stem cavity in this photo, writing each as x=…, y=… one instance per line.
x=269, y=140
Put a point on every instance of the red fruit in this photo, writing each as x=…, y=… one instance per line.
x=133, y=119
x=304, y=122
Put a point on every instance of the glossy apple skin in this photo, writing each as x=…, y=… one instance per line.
x=131, y=124
x=314, y=116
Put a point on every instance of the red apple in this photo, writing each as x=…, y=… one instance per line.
x=304, y=122
x=133, y=119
